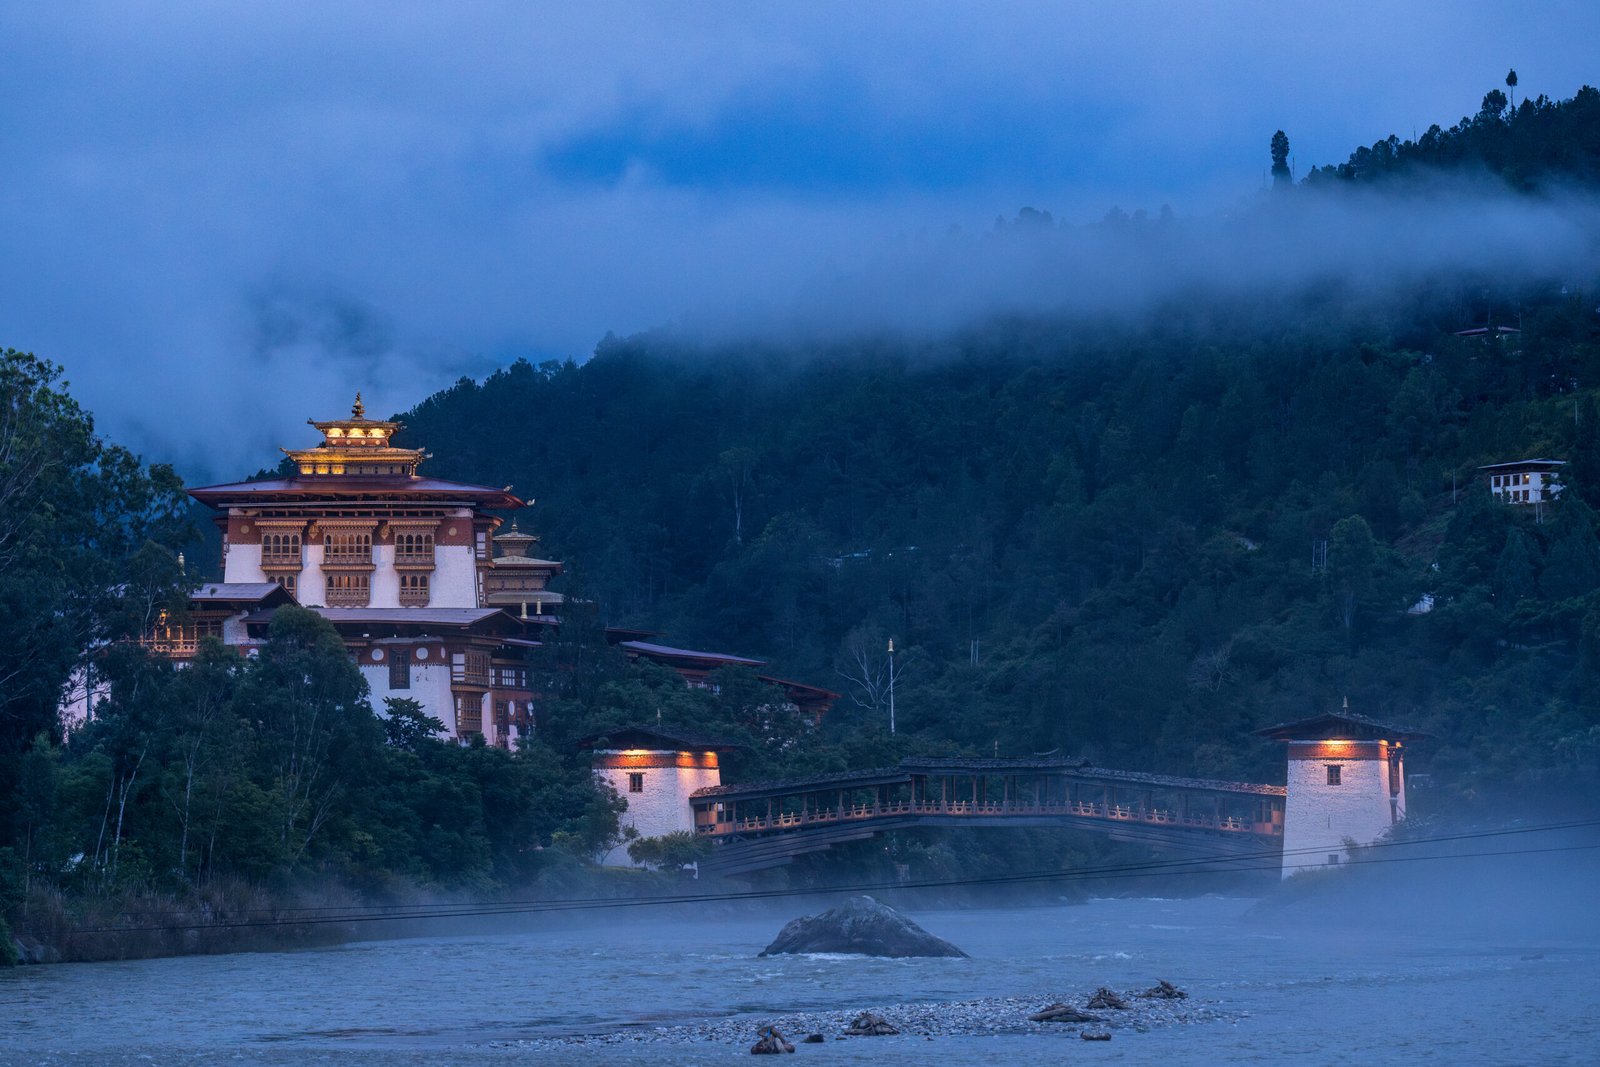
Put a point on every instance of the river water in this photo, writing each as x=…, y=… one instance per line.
x=1290, y=990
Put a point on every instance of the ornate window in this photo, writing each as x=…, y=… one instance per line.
x=636, y=781
x=1335, y=774
x=347, y=546
x=349, y=590
x=413, y=548
x=470, y=668
x=414, y=590
x=280, y=549
x=285, y=580
x=469, y=714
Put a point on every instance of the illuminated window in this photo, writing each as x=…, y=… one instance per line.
x=1335, y=772
x=348, y=590
x=348, y=546
x=636, y=781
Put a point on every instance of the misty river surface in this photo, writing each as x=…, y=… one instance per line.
x=1293, y=995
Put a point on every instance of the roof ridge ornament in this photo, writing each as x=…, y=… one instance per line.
x=358, y=409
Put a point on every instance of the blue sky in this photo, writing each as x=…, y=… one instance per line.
x=225, y=218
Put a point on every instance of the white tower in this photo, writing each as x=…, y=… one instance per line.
x=655, y=770
x=1346, y=782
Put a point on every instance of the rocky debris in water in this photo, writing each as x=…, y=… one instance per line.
x=983, y=1017
x=1062, y=1013
x=869, y=1025
x=814, y=1039
x=1165, y=991
x=860, y=925
x=769, y=1042
x=1105, y=998
x=1095, y=1035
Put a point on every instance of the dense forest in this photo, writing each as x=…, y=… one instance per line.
x=1133, y=539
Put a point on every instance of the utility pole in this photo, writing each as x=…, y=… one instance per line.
x=891, y=685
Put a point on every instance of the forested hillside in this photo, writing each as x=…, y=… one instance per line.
x=1134, y=536
x=1097, y=536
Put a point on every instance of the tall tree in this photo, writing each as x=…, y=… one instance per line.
x=1280, y=160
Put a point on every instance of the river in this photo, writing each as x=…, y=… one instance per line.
x=1287, y=991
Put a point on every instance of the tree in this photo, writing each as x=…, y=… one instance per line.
x=407, y=725
x=737, y=463
x=1280, y=160
x=1514, y=570
x=308, y=702
x=203, y=728
x=74, y=514
x=669, y=852
x=1352, y=569
x=1511, y=85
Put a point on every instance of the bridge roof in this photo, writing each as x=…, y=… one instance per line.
x=923, y=765
x=1210, y=785
x=1079, y=768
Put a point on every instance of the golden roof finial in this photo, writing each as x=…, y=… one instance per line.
x=358, y=409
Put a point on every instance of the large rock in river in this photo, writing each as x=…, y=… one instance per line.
x=860, y=925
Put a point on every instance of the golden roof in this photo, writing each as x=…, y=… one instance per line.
x=356, y=446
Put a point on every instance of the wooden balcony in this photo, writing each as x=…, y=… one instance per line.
x=414, y=561
x=349, y=598
x=349, y=560
x=477, y=678
x=285, y=560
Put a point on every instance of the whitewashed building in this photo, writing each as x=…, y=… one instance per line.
x=433, y=603
x=1346, y=785
x=655, y=770
x=1525, y=481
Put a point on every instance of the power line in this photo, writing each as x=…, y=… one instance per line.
x=1217, y=863
x=403, y=910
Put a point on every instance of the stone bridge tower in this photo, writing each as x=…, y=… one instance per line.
x=1346, y=785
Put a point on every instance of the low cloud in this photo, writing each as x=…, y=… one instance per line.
x=224, y=225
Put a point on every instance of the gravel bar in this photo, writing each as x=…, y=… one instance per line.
x=963, y=1018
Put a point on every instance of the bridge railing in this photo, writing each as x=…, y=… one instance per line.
x=1079, y=808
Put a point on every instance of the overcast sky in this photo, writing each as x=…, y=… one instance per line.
x=223, y=219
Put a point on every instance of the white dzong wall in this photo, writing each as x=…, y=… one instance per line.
x=1339, y=792
x=662, y=805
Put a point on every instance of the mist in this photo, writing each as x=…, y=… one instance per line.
x=221, y=227
x=1362, y=245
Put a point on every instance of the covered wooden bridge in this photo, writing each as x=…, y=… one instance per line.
x=767, y=824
